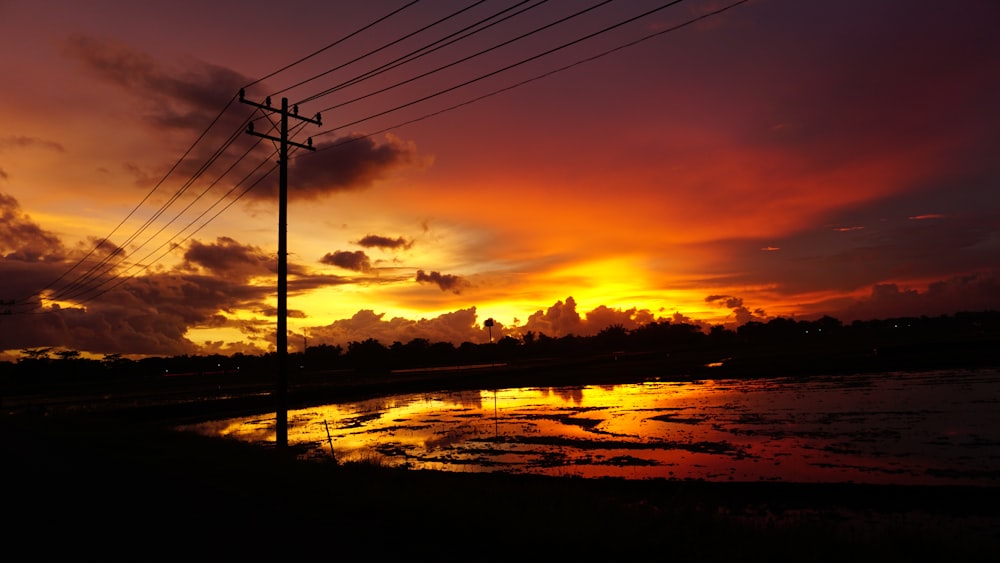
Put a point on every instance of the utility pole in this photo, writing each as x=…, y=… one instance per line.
x=281, y=387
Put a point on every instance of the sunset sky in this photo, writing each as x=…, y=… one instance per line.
x=497, y=159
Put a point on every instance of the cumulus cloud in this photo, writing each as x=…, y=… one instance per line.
x=385, y=243
x=447, y=282
x=741, y=314
x=356, y=261
x=562, y=319
x=222, y=348
x=603, y=316
x=23, y=239
x=680, y=318
x=455, y=327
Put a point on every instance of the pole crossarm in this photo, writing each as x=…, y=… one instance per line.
x=318, y=120
x=266, y=106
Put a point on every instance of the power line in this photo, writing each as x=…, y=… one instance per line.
x=492, y=73
x=92, y=273
x=95, y=290
x=460, y=61
x=105, y=265
x=382, y=48
x=424, y=50
x=149, y=194
x=331, y=45
x=579, y=62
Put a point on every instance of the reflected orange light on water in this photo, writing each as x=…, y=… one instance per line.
x=913, y=429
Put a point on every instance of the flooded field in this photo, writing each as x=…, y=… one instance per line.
x=905, y=428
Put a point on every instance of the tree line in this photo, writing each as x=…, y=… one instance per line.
x=825, y=344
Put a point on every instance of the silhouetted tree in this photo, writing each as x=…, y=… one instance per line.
x=368, y=354
x=66, y=355
x=612, y=338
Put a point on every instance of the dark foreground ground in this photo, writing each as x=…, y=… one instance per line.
x=117, y=483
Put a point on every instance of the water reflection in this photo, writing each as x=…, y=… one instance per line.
x=926, y=428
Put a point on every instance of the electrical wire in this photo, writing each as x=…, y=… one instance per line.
x=331, y=45
x=488, y=74
x=121, y=277
x=380, y=49
x=450, y=39
x=356, y=138
x=102, y=266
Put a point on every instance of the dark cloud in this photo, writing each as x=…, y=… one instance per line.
x=149, y=315
x=726, y=301
x=385, y=243
x=972, y=292
x=146, y=315
x=185, y=98
x=306, y=281
x=356, y=261
x=346, y=164
x=228, y=258
x=447, y=282
x=23, y=239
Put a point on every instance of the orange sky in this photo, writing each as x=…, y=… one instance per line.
x=781, y=158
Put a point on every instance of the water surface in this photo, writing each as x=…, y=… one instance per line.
x=913, y=428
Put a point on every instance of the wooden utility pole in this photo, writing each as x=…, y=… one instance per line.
x=281, y=387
